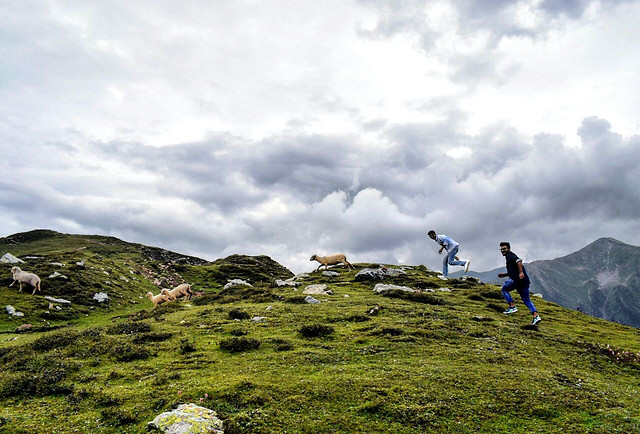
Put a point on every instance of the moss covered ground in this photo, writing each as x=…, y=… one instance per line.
x=442, y=361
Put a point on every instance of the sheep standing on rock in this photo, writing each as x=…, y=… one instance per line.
x=331, y=260
x=157, y=299
x=24, y=277
x=178, y=291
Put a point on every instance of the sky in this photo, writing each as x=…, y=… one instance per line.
x=292, y=128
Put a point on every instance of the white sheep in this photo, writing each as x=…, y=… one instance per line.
x=157, y=299
x=331, y=260
x=24, y=277
x=178, y=291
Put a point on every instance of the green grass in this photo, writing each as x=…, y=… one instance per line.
x=416, y=366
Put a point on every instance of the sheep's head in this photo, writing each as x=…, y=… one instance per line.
x=313, y=257
x=15, y=270
x=149, y=295
x=164, y=291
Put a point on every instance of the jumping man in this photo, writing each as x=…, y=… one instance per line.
x=518, y=280
x=452, y=248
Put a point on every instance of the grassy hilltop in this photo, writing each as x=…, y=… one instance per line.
x=441, y=361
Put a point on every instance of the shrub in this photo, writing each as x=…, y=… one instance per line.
x=238, y=314
x=475, y=297
x=492, y=294
x=496, y=307
x=298, y=299
x=187, y=346
x=128, y=353
x=237, y=345
x=117, y=417
x=55, y=340
x=151, y=337
x=391, y=331
x=316, y=330
x=129, y=328
x=238, y=332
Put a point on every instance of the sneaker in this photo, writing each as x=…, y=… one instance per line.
x=510, y=310
x=536, y=320
x=466, y=266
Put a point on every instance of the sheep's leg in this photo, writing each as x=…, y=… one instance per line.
x=14, y=281
x=318, y=269
x=20, y=283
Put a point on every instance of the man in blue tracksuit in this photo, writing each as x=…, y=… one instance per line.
x=452, y=248
x=518, y=280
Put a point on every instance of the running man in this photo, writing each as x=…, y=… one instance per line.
x=518, y=280
x=452, y=248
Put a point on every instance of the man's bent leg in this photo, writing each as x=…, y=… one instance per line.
x=452, y=257
x=524, y=294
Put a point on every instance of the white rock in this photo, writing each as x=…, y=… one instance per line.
x=269, y=308
x=442, y=277
x=13, y=312
x=124, y=278
x=32, y=257
x=258, y=318
x=106, y=273
x=330, y=273
x=311, y=300
x=188, y=418
x=80, y=263
x=537, y=294
x=287, y=282
x=237, y=282
x=346, y=296
x=8, y=258
x=57, y=300
x=444, y=289
x=57, y=264
x=56, y=274
x=100, y=297
x=315, y=289
x=382, y=287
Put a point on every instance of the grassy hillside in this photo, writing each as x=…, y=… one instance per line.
x=442, y=361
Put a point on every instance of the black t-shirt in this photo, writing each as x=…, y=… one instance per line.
x=514, y=272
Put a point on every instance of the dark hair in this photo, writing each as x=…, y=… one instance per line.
x=431, y=232
x=504, y=243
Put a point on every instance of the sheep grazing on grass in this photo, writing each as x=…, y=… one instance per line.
x=331, y=260
x=24, y=277
x=157, y=299
x=178, y=291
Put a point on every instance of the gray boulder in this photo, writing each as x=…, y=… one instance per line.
x=187, y=419
x=57, y=300
x=311, y=300
x=55, y=275
x=289, y=282
x=101, y=297
x=379, y=273
x=13, y=312
x=316, y=290
x=383, y=287
x=237, y=282
x=330, y=273
x=8, y=258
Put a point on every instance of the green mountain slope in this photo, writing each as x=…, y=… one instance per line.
x=426, y=361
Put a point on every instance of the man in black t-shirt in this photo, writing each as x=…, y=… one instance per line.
x=518, y=280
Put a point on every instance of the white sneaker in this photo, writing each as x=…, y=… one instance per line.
x=466, y=266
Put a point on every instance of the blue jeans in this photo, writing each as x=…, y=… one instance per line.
x=450, y=260
x=510, y=285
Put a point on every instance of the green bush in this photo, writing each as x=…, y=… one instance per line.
x=55, y=340
x=418, y=297
x=187, y=346
x=316, y=330
x=237, y=345
x=128, y=353
x=129, y=328
x=238, y=314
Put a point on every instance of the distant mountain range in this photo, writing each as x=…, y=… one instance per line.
x=602, y=279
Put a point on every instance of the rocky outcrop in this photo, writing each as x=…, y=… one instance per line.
x=237, y=282
x=317, y=290
x=381, y=288
x=378, y=273
x=8, y=258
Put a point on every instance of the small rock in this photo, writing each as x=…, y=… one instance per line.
x=80, y=264
x=481, y=318
x=370, y=274
x=537, y=294
x=106, y=273
x=382, y=287
x=428, y=290
x=24, y=328
x=374, y=310
x=444, y=289
x=187, y=418
x=57, y=300
x=269, y=308
x=8, y=258
x=311, y=300
x=124, y=278
x=237, y=282
x=346, y=296
x=13, y=312
x=55, y=274
x=183, y=322
x=442, y=277
x=287, y=282
x=101, y=297
x=57, y=264
x=330, y=273
x=203, y=326
x=315, y=289
x=258, y=318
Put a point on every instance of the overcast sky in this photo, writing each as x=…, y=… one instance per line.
x=289, y=128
